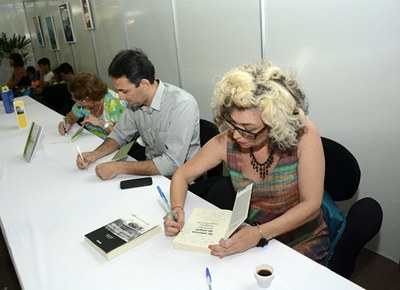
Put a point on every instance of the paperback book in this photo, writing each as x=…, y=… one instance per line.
x=32, y=141
x=77, y=134
x=121, y=235
x=122, y=153
x=207, y=226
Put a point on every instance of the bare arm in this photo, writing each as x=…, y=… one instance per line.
x=16, y=77
x=111, y=169
x=209, y=156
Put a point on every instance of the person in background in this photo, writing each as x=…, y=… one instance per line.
x=270, y=142
x=100, y=107
x=33, y=76
x=19, y=79
x=56, y=80
x=165, y=116
x=66, y=72
x=46, y=75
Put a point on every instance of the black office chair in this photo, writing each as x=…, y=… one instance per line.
x=207, y=131
x=58, y=98
x=203, y=183
x=364, y=218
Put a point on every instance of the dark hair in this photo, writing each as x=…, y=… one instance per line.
x=44, y=61
x=134, y=65
x=87, y=85
x=65, y=68
x=31, y=70
x=17, y=58
x=56, y=72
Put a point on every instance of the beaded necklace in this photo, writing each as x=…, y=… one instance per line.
x=262, y=168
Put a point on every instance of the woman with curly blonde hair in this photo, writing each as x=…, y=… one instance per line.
x=271, y=143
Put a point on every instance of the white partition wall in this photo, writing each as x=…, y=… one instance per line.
x=8, y=25
x=108, y=37
x=214, y=37
x=347, y=56
x=204, y=38
x=149, y=26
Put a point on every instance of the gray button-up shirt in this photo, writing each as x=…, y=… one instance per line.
x=169, y=128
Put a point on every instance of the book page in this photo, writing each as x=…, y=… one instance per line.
x=204, y=227
x=240, y=209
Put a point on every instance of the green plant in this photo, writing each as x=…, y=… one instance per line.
x=16, y=43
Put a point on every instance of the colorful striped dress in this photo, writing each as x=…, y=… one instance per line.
x=275, y=195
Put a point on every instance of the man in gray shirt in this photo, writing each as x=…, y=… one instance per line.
x=165, y=116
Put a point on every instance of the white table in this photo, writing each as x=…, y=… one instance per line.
x=47, y=206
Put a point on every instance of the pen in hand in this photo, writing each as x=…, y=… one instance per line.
x=65, y=127
x=208, y=276
x=80, y=153
x=166, y=203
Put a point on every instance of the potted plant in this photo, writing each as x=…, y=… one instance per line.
x=16, y=43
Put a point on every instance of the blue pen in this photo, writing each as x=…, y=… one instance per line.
x=208, y=276
x=166, y=203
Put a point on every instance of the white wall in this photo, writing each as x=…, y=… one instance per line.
x=212, y=40
x=8, y=13
x=346, y=54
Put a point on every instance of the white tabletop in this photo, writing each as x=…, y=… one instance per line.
x=47, y=206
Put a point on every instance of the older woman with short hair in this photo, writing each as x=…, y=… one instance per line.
x=99, y=106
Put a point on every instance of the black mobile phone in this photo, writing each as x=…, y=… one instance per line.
x=136, y=182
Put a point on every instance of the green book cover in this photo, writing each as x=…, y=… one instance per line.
x=123, y=152
x=77, y=134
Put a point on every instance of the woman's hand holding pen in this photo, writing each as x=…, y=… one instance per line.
x=64, y=127
x=172, y=227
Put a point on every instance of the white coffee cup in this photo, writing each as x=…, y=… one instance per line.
x=264, y=274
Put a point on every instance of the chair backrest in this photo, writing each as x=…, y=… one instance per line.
x=207, y=131
x=203, y=183
x=58, y=98
x=364, y=219
x=342, y=172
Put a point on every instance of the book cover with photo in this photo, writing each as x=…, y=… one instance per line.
x=207, y=226
x=121, y=235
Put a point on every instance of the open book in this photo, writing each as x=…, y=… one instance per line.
x=207, y=226
x=32, y=141
x=121, y=235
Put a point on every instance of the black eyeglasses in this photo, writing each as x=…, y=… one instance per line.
x=246, y=134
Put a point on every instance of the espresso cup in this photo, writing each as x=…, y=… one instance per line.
x=264, y=275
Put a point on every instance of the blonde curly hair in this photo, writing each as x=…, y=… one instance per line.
x=274, y=93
